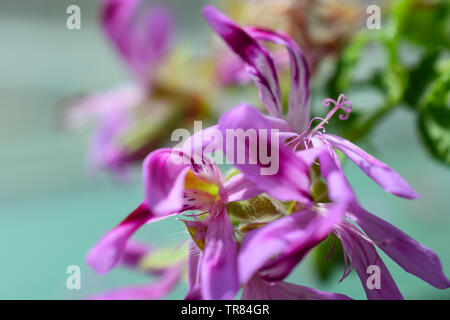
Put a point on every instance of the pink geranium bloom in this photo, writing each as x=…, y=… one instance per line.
x=174, y=186
x=288, y=239
x=142, y=36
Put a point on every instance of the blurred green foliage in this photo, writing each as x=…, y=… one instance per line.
x=421, y=86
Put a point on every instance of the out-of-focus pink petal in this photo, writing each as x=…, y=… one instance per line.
x=103, y=152
x=259, y=289
x=219, y=278
x=285, y=242
x=239, y=188
x=133, y=253
x=380, y=172
x=258, y=61
x=164, y=173
x=142, y=36
x=299, y=93
x=153, y=291
x=231, y=70
x=254, y=147
x=109, y=250
x=363, y=254
x=99, y=105
x=412, y=256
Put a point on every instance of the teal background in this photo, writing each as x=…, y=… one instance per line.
x=51, y=213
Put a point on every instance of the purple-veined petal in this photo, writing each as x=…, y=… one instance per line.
x=363, y=254
x=412, y=256
x=381, y=173
x=154, y=291
x=299, y=93
x=285, y=241
x=259, y=289
x=258, y=61
x=219, y=278
x=109, y=250
x=239, y=188
x=141, y=35
x=164, y=173
x=254, y=147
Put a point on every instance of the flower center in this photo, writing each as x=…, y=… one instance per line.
x=305, y=136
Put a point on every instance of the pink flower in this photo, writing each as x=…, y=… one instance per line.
x=142, y=36
x=287, y=240
x=174, y=186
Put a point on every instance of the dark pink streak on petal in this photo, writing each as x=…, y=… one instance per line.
x=258, y=61
x=109, y=250
x=299, y=93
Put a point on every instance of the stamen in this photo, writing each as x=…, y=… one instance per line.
x=341, y=103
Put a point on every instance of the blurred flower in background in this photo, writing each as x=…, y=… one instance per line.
x=136, y=118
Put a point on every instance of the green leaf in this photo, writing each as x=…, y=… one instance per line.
x=420, y=76
x=346, y=65
x=434, y=119
x=323, y=266
x=425, y=22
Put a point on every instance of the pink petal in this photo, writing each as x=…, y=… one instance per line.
x=259, y=289
x=239, y=188
x=194, y=265
x=164, y=173
x=219, y=278
x=153, y=291
x=134, y=252
x=108, y=251
x=283, y=175
x=381, y=173
x=142, y=40
x=285, y=242
x=299, y=93
x=338, y=187
x=363, y=254
x=412, y=256
x=258, y=61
